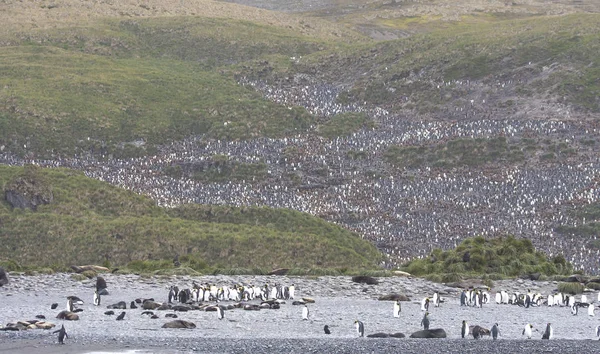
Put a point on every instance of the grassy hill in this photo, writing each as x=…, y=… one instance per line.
x=92, y=222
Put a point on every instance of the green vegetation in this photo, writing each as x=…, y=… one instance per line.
x=570, y=288
x=219, y=169
x=345, y=124
x=101, y=224
x=477, y=152
x=492, y=258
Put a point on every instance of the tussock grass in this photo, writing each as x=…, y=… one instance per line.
x=490, y=259
x=570, y=288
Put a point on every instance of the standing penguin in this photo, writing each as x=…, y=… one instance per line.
x=436, y=299
x=62, y=334
x=591, y=309
x=326, y=329
x=527, y=331
x=425, y=321
x=463, y=298
x=548, y=334
x=360, y=328
x=96, y=298
x=397, y=308
x=425, y=304
x=574, y=310
x=305, y=312
x=70, y=306
x=598, y=332
x=291, y=291
x=464, y=331
x=220, y=313
x=495, y=331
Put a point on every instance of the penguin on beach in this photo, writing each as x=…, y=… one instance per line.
x=96, y=298
x=591, y=309
x=220, y=313
x=495, y=331
x=598, y=332
x=425, y=321
x=464, y=331
x=305, y=312
x=70, y=306
x=436, y=299
x=360, y=328
x=549, y=333
x=397, y=308
x=62, y=334
x=527, y=331
x=425, y=304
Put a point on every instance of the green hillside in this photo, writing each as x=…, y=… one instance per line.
x=91, y=222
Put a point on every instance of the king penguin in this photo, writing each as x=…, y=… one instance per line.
x=62, y=334
x=598, y=332
x=495, y=331
x=527, y=331
x=548, y=334
x=305, y=312
x=464, y=331
x=360, y=328
x=220, y=312
x=70, y=306
x=591, y=309
x=425, y=321
x=397, y=308
x=96, y=298
x=436, y=299
x=425, y=304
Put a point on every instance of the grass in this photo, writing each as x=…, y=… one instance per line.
x=101, y=224
x=491, y=259
x=570, y=288
x=478, y=152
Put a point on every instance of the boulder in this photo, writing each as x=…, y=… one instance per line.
x=3, y=277
x=364, y=279
x=28, y=193
x=394, y=297
x=429, y=333
x=179, y=324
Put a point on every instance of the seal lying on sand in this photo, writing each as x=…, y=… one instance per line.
x=429, y=333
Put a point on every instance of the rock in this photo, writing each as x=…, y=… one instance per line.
x=364, y=279
x=429, y=333
x=3, y=277
x=29, y=191
x=394, y=297
x=179, y=324
x=280, y=271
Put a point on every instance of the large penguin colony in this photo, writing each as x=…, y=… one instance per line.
x=225, y=300
x=405, y=212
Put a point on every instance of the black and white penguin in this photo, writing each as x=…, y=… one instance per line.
x=463, y=298
x=436, y=299
x=598, y=332
x=305, y=312
x=464, y=331
x=495, y=331
x=425, y=321
x=549, y=333
x=574, y=310
x=62, y=334
x=397, y=308
x=96, y=298
x=591, y=309
x=527, y=331
x=173, y=292
x=425, y=304
x=292, y=291
x=360, y=328
x=326, y=329
x=121, y=316
x=70, y=306
x=220, y=313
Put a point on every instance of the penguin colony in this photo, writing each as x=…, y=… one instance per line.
x=210, y=297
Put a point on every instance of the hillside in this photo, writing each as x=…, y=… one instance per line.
x=91, y=222
x=414, y=124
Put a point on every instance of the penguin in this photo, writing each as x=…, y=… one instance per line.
x=464, y=331
x=527, y=331
x=425, y=304
x=504, y=296
x=598, y=332
x=584, y=298
x=70, y=306
x=574, y=310
x=121, y=316
x=498, y=298
x=397, y=309
x=220, y=312
x=463, y=298
x=326, y=329
x=62, y=334
x=550, y=300
x=96, y=298
x=495, y=331
x=436, y=299
x=591, y=309
x=360, y=328
x=425, y=321
x=292, y=290
x=548, y=334
x=305, y=312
